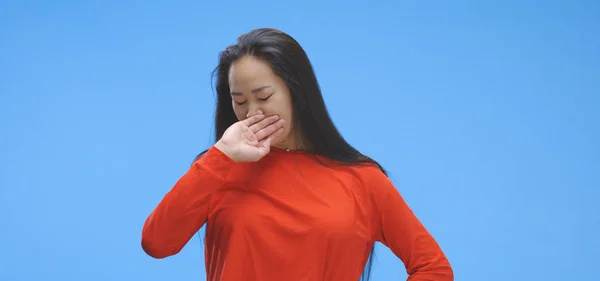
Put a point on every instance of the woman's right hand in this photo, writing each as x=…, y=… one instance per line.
x=250, y=140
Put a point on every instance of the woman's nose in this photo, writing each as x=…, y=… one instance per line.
x=253, y=112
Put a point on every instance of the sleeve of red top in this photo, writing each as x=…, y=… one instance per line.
x=183, y=210
x=400, y=230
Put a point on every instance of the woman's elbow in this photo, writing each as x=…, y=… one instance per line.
x=152, y=249
x=156, y=244
x=443, y=271
x=157, y=248
x=446, y=273
x=440, y=270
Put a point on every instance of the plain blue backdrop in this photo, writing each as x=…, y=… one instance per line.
x=486, y=114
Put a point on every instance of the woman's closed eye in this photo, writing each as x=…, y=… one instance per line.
x=264, y=99
x=261, y=99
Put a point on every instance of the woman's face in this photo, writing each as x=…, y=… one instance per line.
x=256, y=89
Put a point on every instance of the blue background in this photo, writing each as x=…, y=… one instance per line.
x=486, y=113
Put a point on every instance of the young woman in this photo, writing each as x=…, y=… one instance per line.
x=283, y=195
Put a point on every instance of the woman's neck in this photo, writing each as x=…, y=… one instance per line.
x=292, y=142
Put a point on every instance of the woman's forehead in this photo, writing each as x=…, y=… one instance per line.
x=250, y=73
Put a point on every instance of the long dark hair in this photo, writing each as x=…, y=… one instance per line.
x=290, y=62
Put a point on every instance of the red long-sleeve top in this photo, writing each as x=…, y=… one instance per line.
x=289, y=217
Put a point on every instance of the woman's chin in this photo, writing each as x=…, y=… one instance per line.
x=277, y=144
x=280, y=143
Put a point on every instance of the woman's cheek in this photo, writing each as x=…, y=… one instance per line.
x=269, y=110
x=238, y=113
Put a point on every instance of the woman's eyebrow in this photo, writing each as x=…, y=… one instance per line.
x=254, y=91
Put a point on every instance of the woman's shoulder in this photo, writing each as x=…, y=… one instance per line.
x=366, y=171
x=372, y=178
